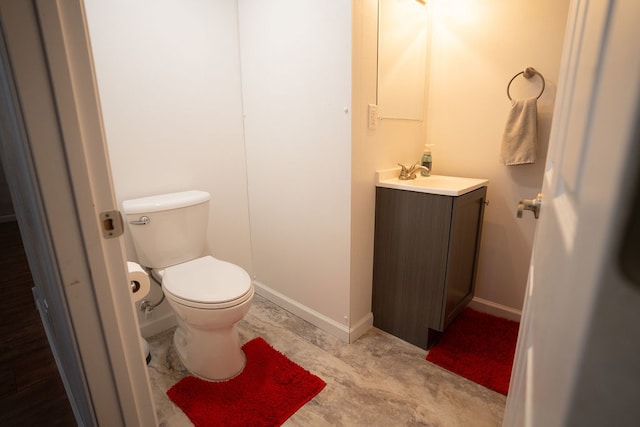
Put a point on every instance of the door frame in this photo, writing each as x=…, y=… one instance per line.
x=56, y=162
x=60, y=181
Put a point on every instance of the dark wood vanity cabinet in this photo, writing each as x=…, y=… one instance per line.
x=425, y=258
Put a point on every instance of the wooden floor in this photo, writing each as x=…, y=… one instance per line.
x=31, y=392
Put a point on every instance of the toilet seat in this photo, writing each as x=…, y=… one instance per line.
x=207, y=283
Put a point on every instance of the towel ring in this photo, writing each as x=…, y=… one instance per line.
x=527, y=74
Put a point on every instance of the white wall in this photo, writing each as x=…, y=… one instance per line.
x=392, y=142
x=170, y=84
x=296, y=77
x=169, y=80
x=477, y=47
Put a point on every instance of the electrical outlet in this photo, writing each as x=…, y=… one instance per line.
x=373, y=116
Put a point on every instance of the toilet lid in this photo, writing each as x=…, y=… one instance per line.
x=206, y=280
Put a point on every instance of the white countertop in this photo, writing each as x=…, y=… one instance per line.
x=433, y=184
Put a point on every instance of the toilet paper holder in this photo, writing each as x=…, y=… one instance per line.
x=135, y=286
x=139, y=283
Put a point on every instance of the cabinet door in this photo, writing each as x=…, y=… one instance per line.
x=410, y=256
x=464, y=246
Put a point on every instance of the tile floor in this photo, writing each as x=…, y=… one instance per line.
x=379, y=380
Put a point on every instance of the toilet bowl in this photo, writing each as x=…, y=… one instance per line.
x=208, y=296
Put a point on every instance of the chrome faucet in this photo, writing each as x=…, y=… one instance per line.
x=410, y=173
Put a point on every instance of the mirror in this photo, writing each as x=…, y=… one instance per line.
x=402, y=58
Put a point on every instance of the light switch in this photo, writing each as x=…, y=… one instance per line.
x=373, y=116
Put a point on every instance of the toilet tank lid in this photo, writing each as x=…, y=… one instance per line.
x=165, y=202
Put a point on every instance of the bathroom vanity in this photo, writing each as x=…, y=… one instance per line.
x=427, y=239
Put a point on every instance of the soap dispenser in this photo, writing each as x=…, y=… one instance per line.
x=426, y=161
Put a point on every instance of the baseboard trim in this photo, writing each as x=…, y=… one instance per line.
x=317, y=319
x=346, y=334
x=158, y=325
x=361, y=327
x=495, y=309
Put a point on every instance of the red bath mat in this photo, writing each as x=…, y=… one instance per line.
x=479, y=347
x=269, y=390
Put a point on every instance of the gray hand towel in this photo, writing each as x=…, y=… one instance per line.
x=520, y=135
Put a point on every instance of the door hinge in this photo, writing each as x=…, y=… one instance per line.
x=112, y=224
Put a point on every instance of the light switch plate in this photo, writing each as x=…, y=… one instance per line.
x=373, y=116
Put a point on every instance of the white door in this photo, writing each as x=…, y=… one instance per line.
x=577, y=359
x=54, y=155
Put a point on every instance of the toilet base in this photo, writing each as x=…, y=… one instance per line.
x=145, y=350
x=207, y=340
x=210, y=355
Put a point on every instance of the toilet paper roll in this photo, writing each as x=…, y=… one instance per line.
x=138, y=281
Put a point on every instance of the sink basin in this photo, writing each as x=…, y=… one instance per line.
x=434, y=184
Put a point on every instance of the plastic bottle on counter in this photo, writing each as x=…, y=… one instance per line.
x=427, y=160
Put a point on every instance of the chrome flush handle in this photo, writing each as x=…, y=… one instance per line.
x=144, y=220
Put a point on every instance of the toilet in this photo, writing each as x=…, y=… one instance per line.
x=208, y=296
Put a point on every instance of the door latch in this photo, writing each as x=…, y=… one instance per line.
x=530, y=205
x=112, y=224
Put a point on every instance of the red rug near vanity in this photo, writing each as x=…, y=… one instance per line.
x=479, y=347
x=269, y=390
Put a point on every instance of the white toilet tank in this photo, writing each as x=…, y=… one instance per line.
x=168, y=229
